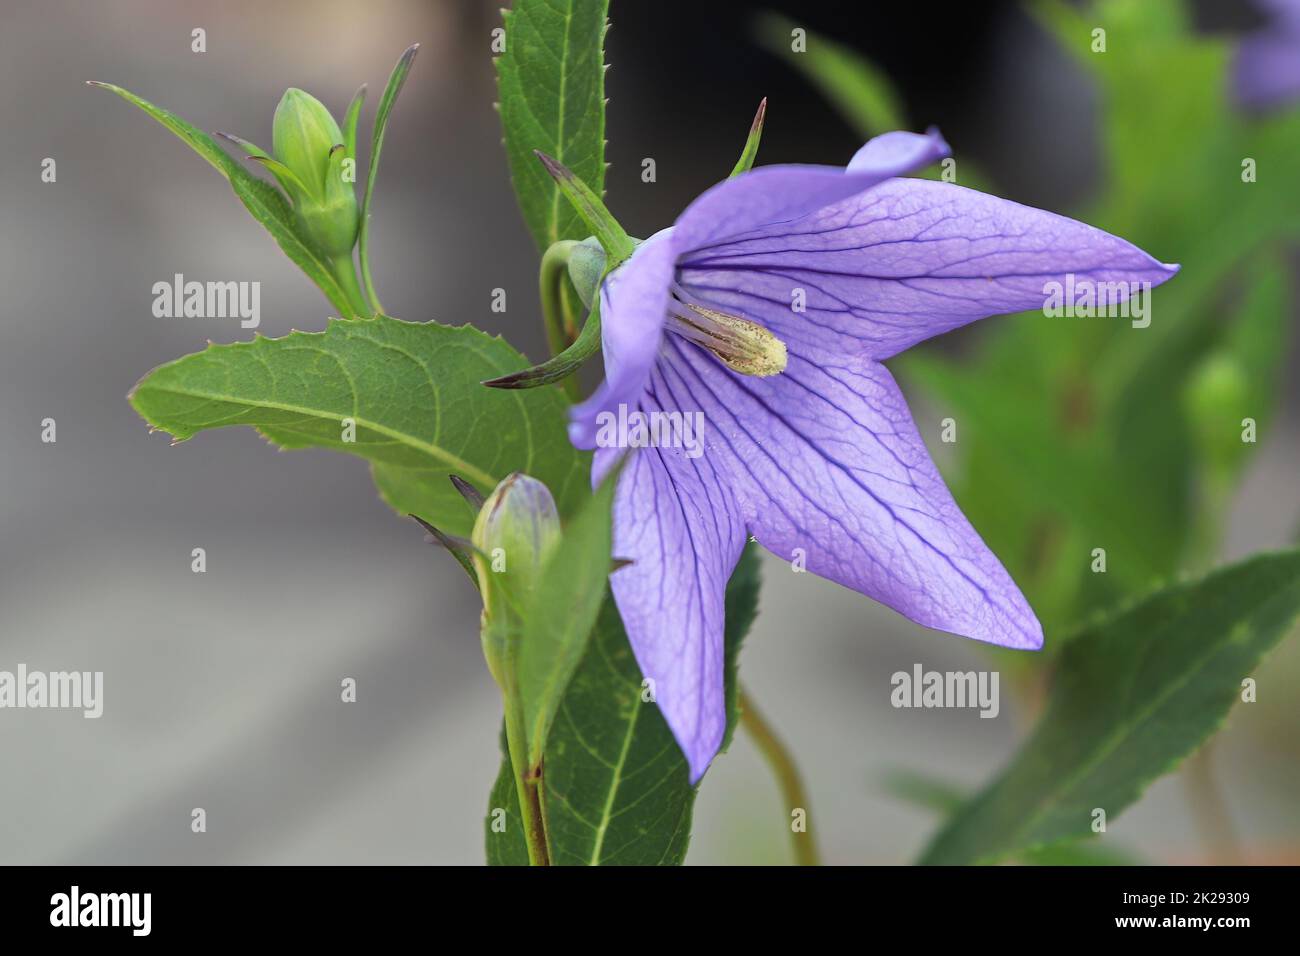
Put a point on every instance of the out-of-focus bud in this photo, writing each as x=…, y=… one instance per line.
x=1215, y=400
x=309, y=163
x=516, y=530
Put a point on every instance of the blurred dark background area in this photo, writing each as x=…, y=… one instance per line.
x=222, y=689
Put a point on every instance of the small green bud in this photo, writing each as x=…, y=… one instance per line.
x=302, y=135
x=586, y=266
x=515, y=533
x=309, y=163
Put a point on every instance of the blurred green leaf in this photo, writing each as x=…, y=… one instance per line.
x=262, y=200
x=923, y=790
x=1035, y=473
x=862, y=93
x=1134, y=695
x=551, y=83
x=944, y=798
x=411, y=391
x=859, y=91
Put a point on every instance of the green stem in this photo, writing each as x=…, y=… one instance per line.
x=786, y=772
x=561, y=332
x=527, y=781
x=346, y=273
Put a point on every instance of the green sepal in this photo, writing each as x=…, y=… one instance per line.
x=747, y=155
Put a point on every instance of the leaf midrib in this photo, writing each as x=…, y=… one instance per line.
x=559, y=128
x=607, y=814
x=453, y=461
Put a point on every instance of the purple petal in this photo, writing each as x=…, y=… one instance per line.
x=826, y=464
x=905, y=261
x=633, y=305
x=678, y=523
x=634, y=298
x=776, y=194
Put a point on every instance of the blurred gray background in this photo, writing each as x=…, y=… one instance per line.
x=222, y=689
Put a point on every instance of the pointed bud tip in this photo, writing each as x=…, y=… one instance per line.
x=425, y=525
x=467, y=491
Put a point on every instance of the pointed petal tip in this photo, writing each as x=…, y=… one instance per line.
x=1026, y=634
x=699, y=759
x=937, y=138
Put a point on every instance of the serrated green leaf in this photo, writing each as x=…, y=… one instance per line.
x=551, y=85
x=266, y=204
x=384, y=110
x=561, y=614
x=618, y=245
x=1134, y=695
x=615, y=786
x=411, y=389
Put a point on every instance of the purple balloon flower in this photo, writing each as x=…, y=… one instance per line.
x=1266, y=68
x=764, y=314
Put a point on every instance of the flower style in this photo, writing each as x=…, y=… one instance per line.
x=768, y=307
x=1266, y=66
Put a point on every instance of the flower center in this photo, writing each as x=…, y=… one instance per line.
x=743, y=346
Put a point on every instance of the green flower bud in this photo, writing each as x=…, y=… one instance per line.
x=1216, y=398
x=309, y=163
x=302, y=135
x=515, y=533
